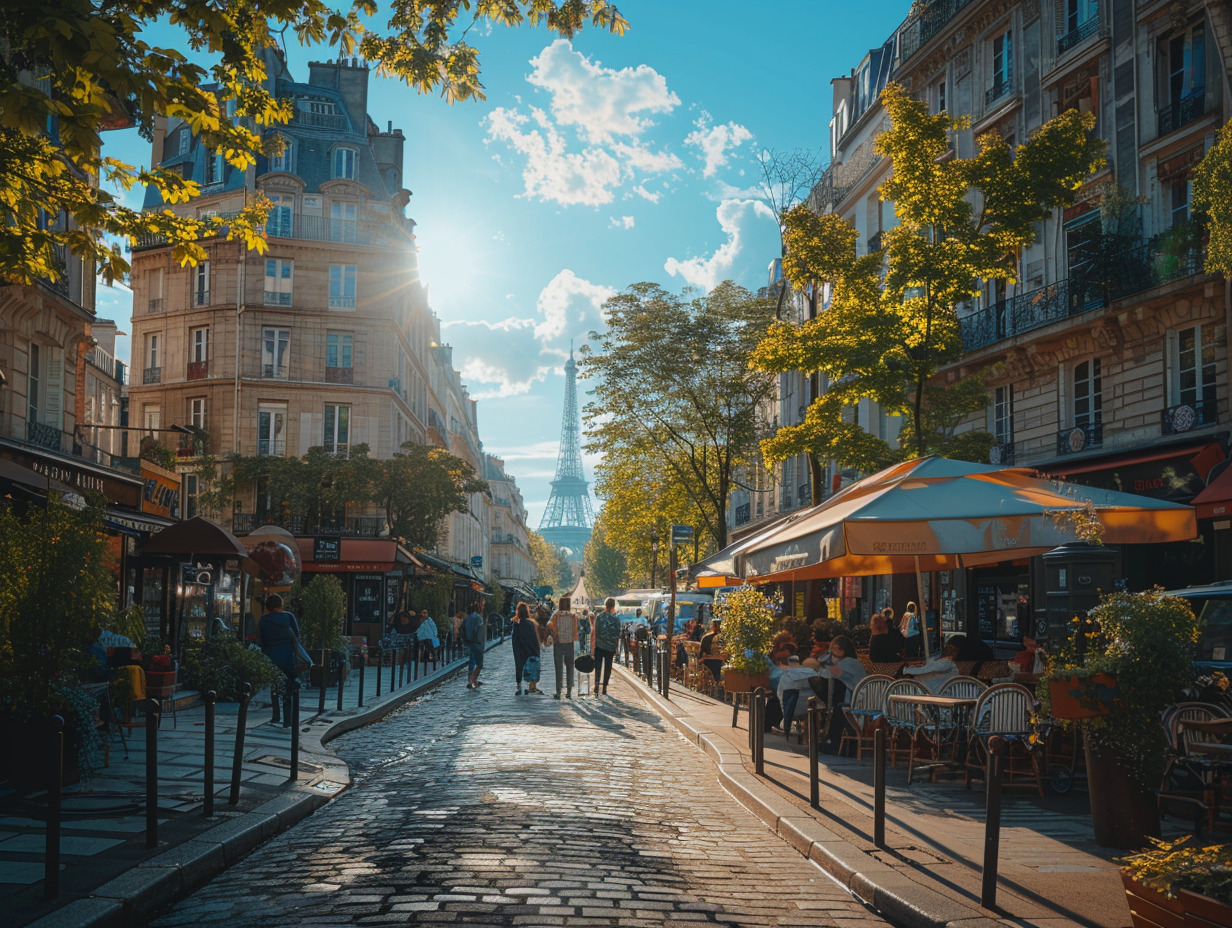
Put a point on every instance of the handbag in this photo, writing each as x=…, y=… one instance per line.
x=585, y=663
x=530, y=670
x=303, y=660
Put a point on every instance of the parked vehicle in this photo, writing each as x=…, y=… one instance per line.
x=688, y=606
x=1212, y=604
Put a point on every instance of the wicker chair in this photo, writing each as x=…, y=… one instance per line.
x=901, y=717
x=893, y=669
x=864, y=713
x=1185, y=772
x=1004, y=710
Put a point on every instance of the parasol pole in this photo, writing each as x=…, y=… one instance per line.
x=919, y=587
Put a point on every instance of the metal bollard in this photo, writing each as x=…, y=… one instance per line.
x=757, y=731
x=241, y=729
x=363, y=666
x=992, y=824
x=379, y=657
x=294, y=729
x=343, y=660
x=393, y=665
x=51, y=854
x=879, y=786
x=210, y=698
x=324, y=671
x=276, y=707
x=813, y=720
x=152, y=715
x=415, y=654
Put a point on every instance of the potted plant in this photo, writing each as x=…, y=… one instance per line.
x=1171, y=884
x=223, y=664
x=1143, y=642
x=747, y=621
x=322, y=614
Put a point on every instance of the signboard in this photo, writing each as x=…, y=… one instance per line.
x=391, y=594
x=987, y=602
x=798, y=611
x=368, y=598
x=681, y=534
x=326, y=548
x=477, y=561
x=161, y=492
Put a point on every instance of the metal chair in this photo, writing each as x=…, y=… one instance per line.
x=901, y=717
x=1187, y=771
x=863, y=713
x=1005, y=710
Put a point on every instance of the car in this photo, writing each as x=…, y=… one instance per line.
x=1212, y=604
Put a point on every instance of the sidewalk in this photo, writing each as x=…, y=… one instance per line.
x=1051, y=872
x=109, y=878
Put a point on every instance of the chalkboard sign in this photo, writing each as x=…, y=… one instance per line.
x=987, y=601
x=326, y=549
x=369, y=599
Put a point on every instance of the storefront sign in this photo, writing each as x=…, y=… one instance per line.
x=326, y=549
x=119, y=490
x=160, y=494
x=368, y=594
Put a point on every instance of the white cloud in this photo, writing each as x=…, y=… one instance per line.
x=569, y=305
x=591, y=140
x=621, y=222
x=706, y=273
x=715, y=142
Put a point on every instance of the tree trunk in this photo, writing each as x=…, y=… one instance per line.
x=817, y=476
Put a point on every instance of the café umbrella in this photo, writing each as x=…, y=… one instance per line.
x=936, y=514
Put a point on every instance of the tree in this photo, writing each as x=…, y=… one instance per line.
x=603, y=564
x=673, y=386
x=418, y=487
x=1212, y=195
x=74, y=68
x=319, y=485
x=550, y=568
x=892, y=321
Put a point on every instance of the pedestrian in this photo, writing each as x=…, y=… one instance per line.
x=909, y=625
x=475, y=634
x=525, y=646
x=563, y=635
x=278, y=634
x=607, y=631
x=428, y=639
x=403, y=624
x=886, y=642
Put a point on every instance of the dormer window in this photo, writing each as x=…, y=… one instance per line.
x=344, y=163
x=185, y=135
x=286, y=160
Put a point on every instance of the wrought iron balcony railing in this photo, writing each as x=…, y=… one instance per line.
x=932, y=18
x=1002, y=454
x=152, y=375
x=1002, y=87
x=339, y=375
x=1184, y=111
x=198, y=370
x=45, y=436
x=1186, y=416
x=1078, y=35
x=1080, y=438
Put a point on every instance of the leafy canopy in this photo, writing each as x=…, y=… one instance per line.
x=1212, y=195
x=72, y=68
x=604, y=565
x=551, y=569
x=892, y=317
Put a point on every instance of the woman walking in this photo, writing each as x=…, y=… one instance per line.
x=563, y=631
x=278, y=633
x=525, y=645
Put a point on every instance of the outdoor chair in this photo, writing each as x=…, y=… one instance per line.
x=901, y=717
x=863, y=713
x=937, y=731
x=967, y=668
x=892, y=669
x=1005, y=710
x=164, y=685
x=1191, y=777
x=994, y=671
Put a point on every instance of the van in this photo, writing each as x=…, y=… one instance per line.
x=1212, y=604
x=688, y=606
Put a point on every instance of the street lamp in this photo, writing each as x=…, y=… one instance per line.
x=654, y=557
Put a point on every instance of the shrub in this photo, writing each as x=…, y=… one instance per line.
x=222, y=664
x=1169, y=866
x=747, y=624
x=860, y=635
x=323, y=602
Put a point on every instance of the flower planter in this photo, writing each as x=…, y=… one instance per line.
x=736, y=682
x=1081, y=697
x=1124, y=812
x=1149, y=908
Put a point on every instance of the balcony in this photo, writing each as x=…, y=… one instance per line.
x=1002, y=455
x=242, y=523
x=276, y=447
x=339, y=375
x=742, y=513
x=874, y=243
x=154, y=306
x=335, y=122
x=1078, y=35
x=274, y=372
x=1184, y=111
x=1002, y=87
x=931, y=20
x=342, y=302
x=1080, y=438
x=198, y=370
x=1186, y=416
x=327, y=229
x=45, y=436
x=152, y=375
x=276, y=298
x=201, y=298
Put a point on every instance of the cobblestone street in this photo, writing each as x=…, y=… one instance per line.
x=483, y=808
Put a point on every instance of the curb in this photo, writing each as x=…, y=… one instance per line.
x=894, y=896
x=176, y=872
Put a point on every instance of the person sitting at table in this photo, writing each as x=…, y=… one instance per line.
x=842, y=664
x=774, y=708
x=937, y=672
x=1031, y=658
x=712, y=654
x=972, y=649
x=792, y=685
x=886, y=643
x=783, y=647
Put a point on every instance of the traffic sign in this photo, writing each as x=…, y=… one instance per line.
x=681, y=534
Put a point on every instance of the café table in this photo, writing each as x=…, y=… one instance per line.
x=930, y=712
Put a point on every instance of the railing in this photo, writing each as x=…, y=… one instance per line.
x=198, y=370
x=102, y=360
x=326, y=229
x=804, y=493
x=152, y=375
x=272, y=446
x=201, y=298
x=274, y=371
x=45, y=436
x=155, y=306
x=276, y=298
x=742, y=513
x=1078, y=35
x=1181, y=113
x=339, y=375
x=1080, y=438
x=361, y=526
x=333, y=121
x=1002, y=454
x=932, y=19
x=874, y=243
x=1186, y=416
x=342, y=302
x=1001, y=88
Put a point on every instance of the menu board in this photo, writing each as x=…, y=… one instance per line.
x=369, y=598
x=326, y=548
x=987, y=602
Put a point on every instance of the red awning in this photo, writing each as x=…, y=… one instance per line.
x=1198, y=455
x=372, y=555
x=1178, y=473
x=1216, y=500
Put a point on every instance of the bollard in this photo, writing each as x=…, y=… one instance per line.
x=294, y=729
x=393, y=665
x=241, y=728
x=276, y=706
x=415, y=654
x=210, y=698
x=879, y=786
x=363, y=666
x=813, y=720
x=342, y=659
x=379, y=657
x=992, y=823
x=757, y=731
x=152, y=715
x=51, y=853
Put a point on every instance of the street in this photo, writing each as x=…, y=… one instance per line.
x=483, y=808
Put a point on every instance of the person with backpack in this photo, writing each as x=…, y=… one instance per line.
x=525, y=646
x=607, y=632
x=475, y=635
x=563, y=634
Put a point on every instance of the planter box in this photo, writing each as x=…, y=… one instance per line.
x=734, y=682
x=1151, y=909
x=1072, y=699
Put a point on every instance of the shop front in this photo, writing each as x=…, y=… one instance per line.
x=374, y=574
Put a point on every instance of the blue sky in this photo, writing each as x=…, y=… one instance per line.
x=592, y=165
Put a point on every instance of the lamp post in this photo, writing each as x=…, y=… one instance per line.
x=654, y=557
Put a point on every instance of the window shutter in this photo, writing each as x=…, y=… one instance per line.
x=311, y=426
x=53, y=405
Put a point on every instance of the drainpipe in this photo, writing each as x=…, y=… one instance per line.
x=239, y=346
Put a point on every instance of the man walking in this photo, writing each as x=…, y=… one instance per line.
x=475, y=634
x=563, y=630
x=607, y=633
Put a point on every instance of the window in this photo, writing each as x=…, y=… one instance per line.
x=939, y=96
x=342, y=221
x=1187, y=64
x=189, y=491
x=280, y=221
x=1079, y=12
x=271, y=429
x=1088, y=394
x=338, y=350
x=1003, y=414
x=152, y=417
x=214, y=166
x=1002, y=67
x=342, y=286
x=185, y=135
x=1179, y=190
x=278, y=281
x=151, y=351
x=196, y=412
x=285, y=161
x=275, y=353
x=201, y=284
x=344, y=163
x=337, y=438
x=33, y=383
x=200, y=345
x=156, y=290
x=1193, y=372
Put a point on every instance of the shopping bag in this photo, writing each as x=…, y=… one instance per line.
x=530, y=671
x=303, y=660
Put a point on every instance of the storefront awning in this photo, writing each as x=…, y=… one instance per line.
x=1176, y=474
x=1215, y=502
x=374, y=555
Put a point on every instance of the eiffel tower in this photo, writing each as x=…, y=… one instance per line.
x=568, y=519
